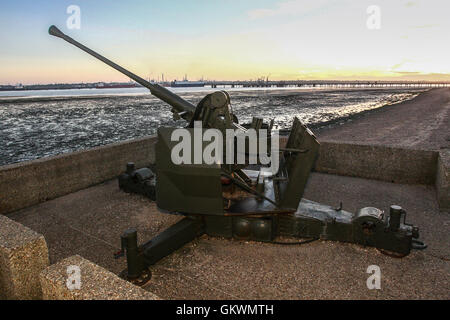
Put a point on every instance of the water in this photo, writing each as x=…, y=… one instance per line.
x=32, y=128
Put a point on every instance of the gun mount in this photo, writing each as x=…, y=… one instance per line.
x=227, y=198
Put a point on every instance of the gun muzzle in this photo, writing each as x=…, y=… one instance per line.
x=179, y=104
x=54, y=31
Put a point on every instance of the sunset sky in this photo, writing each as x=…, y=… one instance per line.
x=226, y=40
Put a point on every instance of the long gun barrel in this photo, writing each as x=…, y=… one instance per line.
x=183, y=107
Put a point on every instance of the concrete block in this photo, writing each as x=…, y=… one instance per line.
x=23, y=255
x=95, y=283
x=443, y=180
x=385, y=163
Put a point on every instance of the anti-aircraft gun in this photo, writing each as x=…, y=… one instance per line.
x=225, y=198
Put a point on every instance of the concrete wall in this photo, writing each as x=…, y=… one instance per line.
x=23, y=255
x=377, y=162
x=32, y=182
x=28, y=183
x=93, y=283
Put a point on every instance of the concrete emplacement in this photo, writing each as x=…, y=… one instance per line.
x=73, y=201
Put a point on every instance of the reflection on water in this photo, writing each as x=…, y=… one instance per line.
x=33, y=129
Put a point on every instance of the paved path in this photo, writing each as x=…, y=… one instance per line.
x=421, y=123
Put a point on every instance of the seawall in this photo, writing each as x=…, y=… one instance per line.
x=32, y=182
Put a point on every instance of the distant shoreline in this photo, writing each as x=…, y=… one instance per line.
x=31, y=99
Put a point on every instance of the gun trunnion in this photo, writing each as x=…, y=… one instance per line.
x=237, y=201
